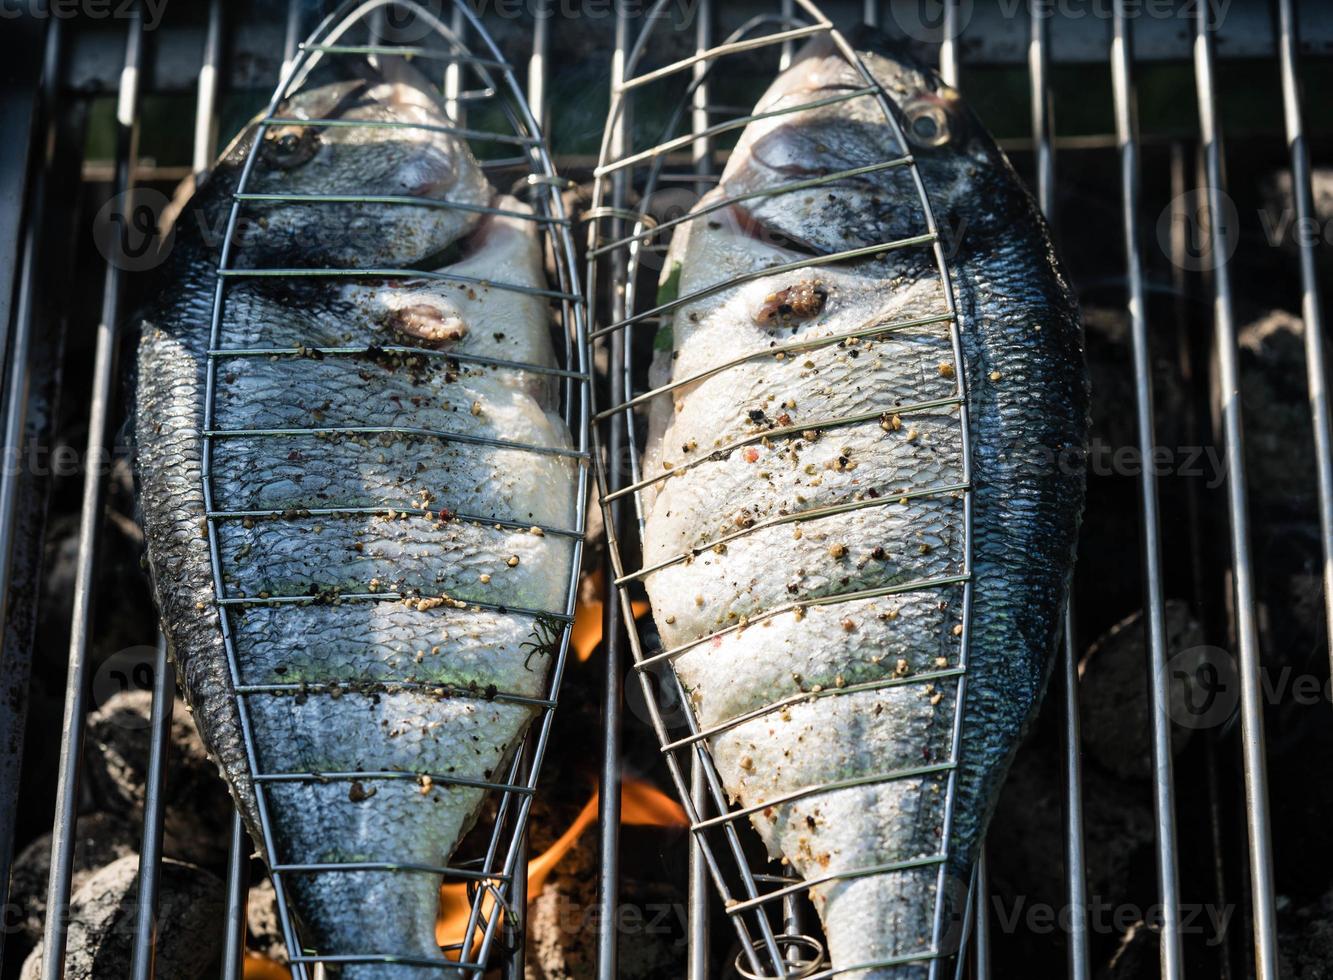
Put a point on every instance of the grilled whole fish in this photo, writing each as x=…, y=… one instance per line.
x=411, y=685
x=808, y=524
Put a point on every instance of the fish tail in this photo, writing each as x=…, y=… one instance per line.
x=372, y=914
x=884, y=924
x=394, y=971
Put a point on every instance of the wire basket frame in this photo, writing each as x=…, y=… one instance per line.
x=495, y=882
x=621, y=236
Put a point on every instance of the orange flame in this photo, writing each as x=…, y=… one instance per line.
x=587, y=630
x=641, y=805
x=256, y=967
x=644, y=805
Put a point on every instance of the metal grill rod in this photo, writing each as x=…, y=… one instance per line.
x=1312, y=309
x=612, y=708
x=1043, y=128
x=1247, y=632
x=1164, y=804
x=90, y=521
x=698, y=893
x=17, y=663
x=154, y=808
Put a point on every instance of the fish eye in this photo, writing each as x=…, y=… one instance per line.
x=927, y=123
x=291, y=147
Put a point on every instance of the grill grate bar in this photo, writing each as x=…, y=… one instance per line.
x=150, y=851
x=612, y=707
x=1312, y=309
x=90, y=522
x=1262, y=888
x=1075, y=858
x=1164, y=804
x=697, y=893
x=16, y=658
x=238, y=883
x=1076, y=874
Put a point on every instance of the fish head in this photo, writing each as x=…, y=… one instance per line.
x=824, y=126
x=357, y=139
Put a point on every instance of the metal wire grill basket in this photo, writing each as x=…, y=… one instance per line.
x=765, y=908
x=481, y=85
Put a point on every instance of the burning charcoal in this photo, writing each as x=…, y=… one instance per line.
x=261, y=917
x=1306, y=940
x=1279, y=448
x=561, y=933
x=1113, y=418
x=198, y=811
x=99, y=839
x=102, y=913
x=1117, y=827
x=563, y=879
x=120, y=586
x=1113, y=691
x=1279, y=216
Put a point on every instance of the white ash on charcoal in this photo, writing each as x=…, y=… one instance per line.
x=197, y=818
x=99, y=839
x=562, y=918
x=1113, y=691
x=102, y=921
x=1279, y=214
x=1136, y=957
x=263, y=924
x=561, y=942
